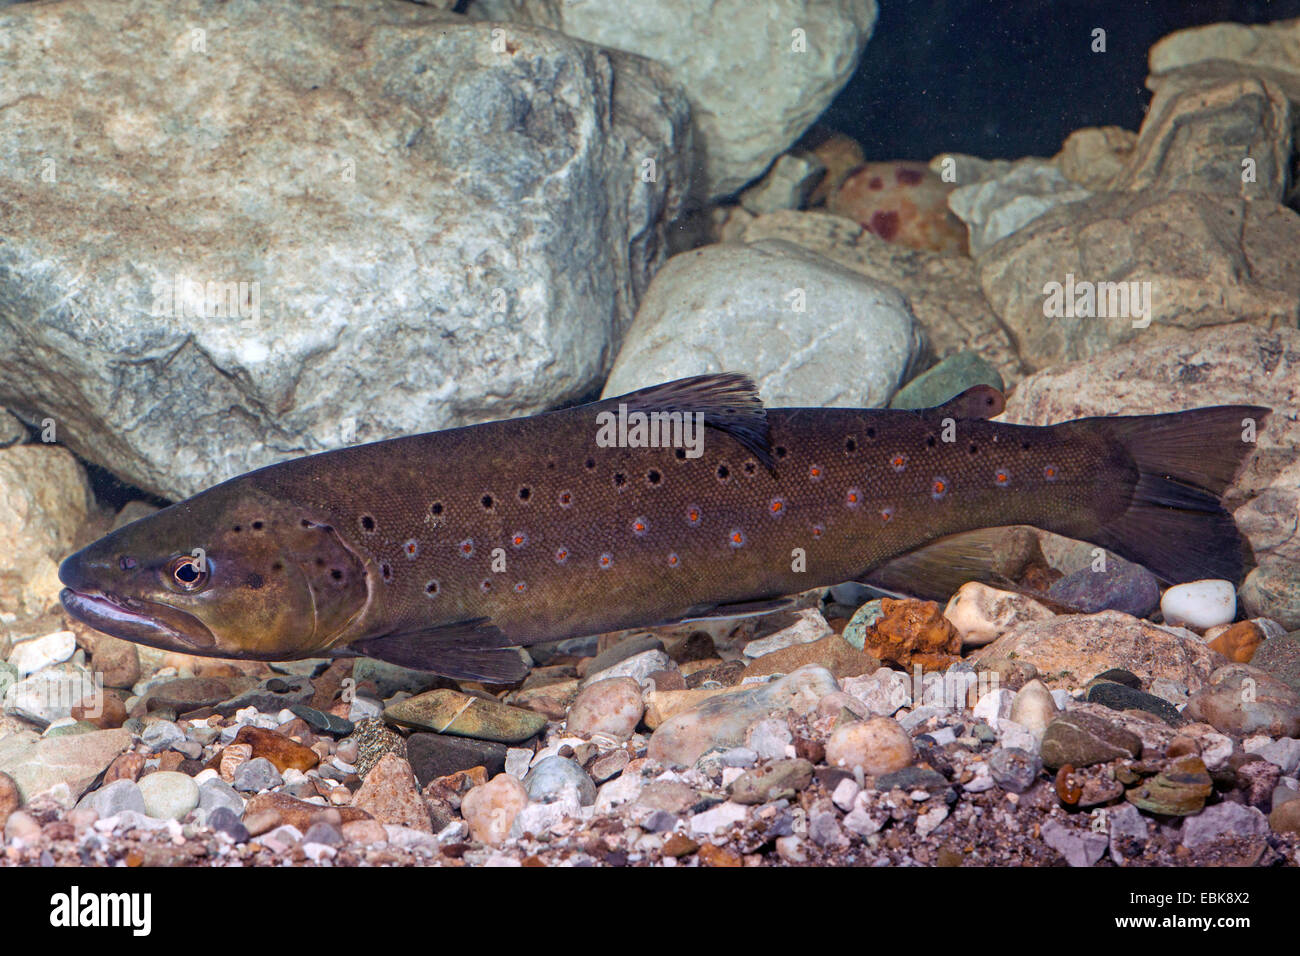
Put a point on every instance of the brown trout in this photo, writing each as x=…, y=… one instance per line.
x=447, y=550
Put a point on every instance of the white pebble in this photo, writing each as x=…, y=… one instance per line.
x=1200, y=604
x=39, y=653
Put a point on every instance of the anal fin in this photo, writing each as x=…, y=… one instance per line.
x=474, y=649
x=935, y=572
x=736, y=610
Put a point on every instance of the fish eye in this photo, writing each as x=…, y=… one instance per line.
x=185, y=573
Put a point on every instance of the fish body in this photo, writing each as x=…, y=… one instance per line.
x=447, y=549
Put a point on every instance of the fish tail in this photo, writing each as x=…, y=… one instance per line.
x=1175, y=523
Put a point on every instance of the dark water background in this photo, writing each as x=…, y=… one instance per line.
x=1011, y=78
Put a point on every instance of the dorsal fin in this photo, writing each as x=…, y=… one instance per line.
x=728, y=400
x=978, y=401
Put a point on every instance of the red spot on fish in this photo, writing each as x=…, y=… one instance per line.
x=566, y=499
x=1049, y=472
x=815, y=472
x=693, y=515
x=521, y=587
x=736, y=538
x=467, y=547
x=875, y=183
x=485, y=585
x=818, y=531
x=561, y=555
x=899, y=462
x=673, y=560
x=776, y=507
x=640, y=527
x=883, y=223
x=886, y=514
x=1002, y=478
x=606, y=560
x=908, y=177
x=939, y=488
x=412, y=548
x=853, y=498
x=519, y=539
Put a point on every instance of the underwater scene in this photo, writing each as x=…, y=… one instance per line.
x=665, y=433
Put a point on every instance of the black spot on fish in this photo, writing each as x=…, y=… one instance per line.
x=254, y=580
x=431, y=588
x=723, y=473
x=620, y=479
x=680, y=454
x=277, y=566
x=368, y=524
x=850, y=445
x=974, y=448
x=653, y=476
x=385, y=569
x=258, y=525
x=525, y=493
x=750, y=468
x=930, y=441
x=487, y=502
x=337, y=573
x=590, y=463
x=781, y=451
x=237, y=528
x=871, y=432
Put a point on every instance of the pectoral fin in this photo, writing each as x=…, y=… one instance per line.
x=466, y=650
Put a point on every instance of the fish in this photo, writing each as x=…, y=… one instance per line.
x=448, y=551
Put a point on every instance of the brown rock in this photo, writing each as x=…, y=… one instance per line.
x=662, y=705
x=490, y=809
x=1285, y=817
x=117, y=660
x=229, y=759
x=297, y=813
x=711, y=855
x=1239, y=641
x=679, y=844
x=840, y=154
x=391, y=795
x=364, y=831
x=834, y=653
x=913, y=632
x=106, y=712
x=1068, y=651
x=277, y=748
x=10, y=799
x=126, y=767
x=901, y=202
x=1095, y=155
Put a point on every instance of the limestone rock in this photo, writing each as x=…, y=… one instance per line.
x=809, y=331
x=994, y=208
x=392, y=220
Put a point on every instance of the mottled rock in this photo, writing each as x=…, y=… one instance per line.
x=1118, y=697
x=1280, y=658
x=902, y=202
x=1080, y=847
x=878, y=746
x=550, y=777
x=613, y=706
x=1002, y=204
x=1067, y=651
x=808, y=626
x=280, y=808
x=790, y=78
x=112, y=798
x=37, y=765
x=451, y=712
x=722, y=721
x=951, y=376
x=49, y=695
x=1242, y=699
x=1095, y=155
x=168, y=795
x=37, y=653
x=490, y=809
x=1179, y=790
x=982, y=614
x=257, y=774
x=1014, y=769
x=413, y=123
x=832, y=652
x=787, y=185
x=1223, y=821
x=780, y=779
x=390, y=795
x=1081, y=740
x=912, y=632
x=730, y=306
x=1120, y=586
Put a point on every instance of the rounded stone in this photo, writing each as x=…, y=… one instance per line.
x=551, y=776
x=168, y=795
x=878, y=746
x=490, y=809
x=1200, y=604
x=612, y=707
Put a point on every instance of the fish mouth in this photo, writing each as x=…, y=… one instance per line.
x=143, y=622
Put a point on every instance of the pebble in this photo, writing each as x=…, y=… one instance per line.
x=1128, y=832
x=1223, y=821
x=608, y=765
x=1033, y=707
x=282, y=751
x=1012, y=735
x=552, y=776
x=1179, y=790
x=950, y=377
x=824, y=828
x=780, y=779
x=324, y=722
x=982, y=614
x=283, y=808
x=863, y=618
x=369, y=832
x=622, y=650
x=1120, y=697
x=10, y=798
x=638, y=667
x=718, y=818
x=439, y=755
x=451, y=712
x=981, y=778
x=225, y=820
x=913, y=632
x=191, y=693
x=722, y=721
x=22, y=826
x=808, y=626
x=929, y=819
x=918, y=781
x=215, y=793
x=490, y=809
x=281, y=839
x=1285, y=818
x=1242, y=699
x=517, y=762
x=1123, y=586
x=1014, y=769
x=1200, y=604
x=38, y=653
x=389, y=794
x=1284, y=753
x=1081, y=740
x=1079, y=847
x=994, y=706
x=845, y=794
x=113, y=798
x=1237, y=642
x=863, y=819
x=49, y=695
x=612, y=707
x=168, y=795
x=768, y=738
x=116, y=660
x=1175, y=692
x=878, y=746
x=255, y=775
x=883, y=692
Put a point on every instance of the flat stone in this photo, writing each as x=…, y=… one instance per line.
x=321, y=721
x=773, y=781
x=1123, y=586
x=270, y=697
x=283, y=752
x=439, y=755
x=294, y=812
x=37, y=765
x=451, y=712
x=1179, y=790
x=168, y=795
x=1014, y=769
x=832, y=652
x=1223, y=821
x=1243, y=699
x=1119, y=697
x=1079, y=847
x=1081, y=740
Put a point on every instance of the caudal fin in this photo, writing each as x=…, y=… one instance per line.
x=1175, y=524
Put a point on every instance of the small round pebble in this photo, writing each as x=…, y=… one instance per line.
x=490, y=809
x=168, y=795
x=1200, y=604
x=612, y=707
x=552, y=775
x=878, y=746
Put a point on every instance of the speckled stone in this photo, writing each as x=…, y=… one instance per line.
x=1081, y=739
x=451, y=712
x=168, y=795
x=1123, y=586
x=373, y=739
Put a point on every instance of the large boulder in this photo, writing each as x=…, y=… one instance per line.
x=287, y=224
x=758, y=74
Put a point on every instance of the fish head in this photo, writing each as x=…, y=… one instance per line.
x=232, y=572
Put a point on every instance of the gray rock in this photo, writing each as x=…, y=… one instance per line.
x=950, y=377
x=168, y=795
x=215, y=794
x=37, y=765
x=1004, y=203
x=257, y=774
x=638, y=667
x=1285, y=753
x=271, y=696
x=162, y=735
x=1128, y=831
x=1123, y=586
x=786, y=186
x=49, y=695
x=1014, y=769
x=225, y=820
x=809, y=331
x=768, y=738
x=548, y=780
x=1223, y=821
x=1079, y=847
x=416, y=223
x=112, y=799
x=758, y=75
